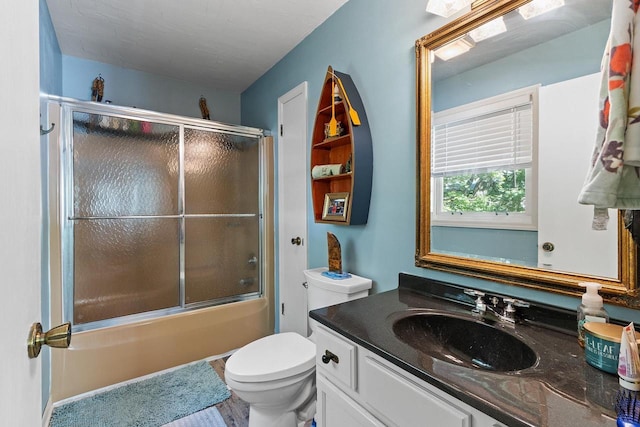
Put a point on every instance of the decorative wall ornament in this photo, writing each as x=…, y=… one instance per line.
x=97, y=89
x=335, y=253
x=204, y=110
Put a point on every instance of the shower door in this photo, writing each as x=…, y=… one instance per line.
x=221, y=178
x=160, y=216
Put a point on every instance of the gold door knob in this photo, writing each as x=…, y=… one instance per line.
x=59, y=337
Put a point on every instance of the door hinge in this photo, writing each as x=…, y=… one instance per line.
x=283, y=309
x=281, y=130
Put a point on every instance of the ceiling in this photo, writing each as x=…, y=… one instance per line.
x=224, y=44
x=523, y=34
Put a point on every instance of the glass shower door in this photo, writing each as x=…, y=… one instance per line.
x=159, y=217
x=125, y=217
x=222, y=216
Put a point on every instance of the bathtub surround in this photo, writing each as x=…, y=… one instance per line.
x=157, y=343
x=150, y=402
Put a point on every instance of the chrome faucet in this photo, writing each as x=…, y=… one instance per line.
x=505, y=312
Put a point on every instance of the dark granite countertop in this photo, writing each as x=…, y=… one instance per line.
x=561, y=389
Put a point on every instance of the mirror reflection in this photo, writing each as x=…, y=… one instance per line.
x=509, y=112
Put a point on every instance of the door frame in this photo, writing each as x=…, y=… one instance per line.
x=300, y=90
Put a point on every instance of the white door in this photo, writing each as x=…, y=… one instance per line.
x=568, y=124
x=20, y=218
x=292, y=209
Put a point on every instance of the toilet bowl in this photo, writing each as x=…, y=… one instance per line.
x=275, y=375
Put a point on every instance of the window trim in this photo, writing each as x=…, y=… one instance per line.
x=527, y=220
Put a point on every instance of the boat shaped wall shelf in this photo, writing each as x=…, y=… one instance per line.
x=341, y=136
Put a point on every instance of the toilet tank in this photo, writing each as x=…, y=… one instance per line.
x=323, y=291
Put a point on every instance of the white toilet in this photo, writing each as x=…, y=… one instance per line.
x=275, y=375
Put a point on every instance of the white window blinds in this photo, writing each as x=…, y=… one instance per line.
x=494, y=134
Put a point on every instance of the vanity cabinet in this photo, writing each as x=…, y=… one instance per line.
x=342, y=194
x=363, y=389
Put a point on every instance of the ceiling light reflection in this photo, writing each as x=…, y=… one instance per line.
x=446, y=8
x=490, y=29
x=538, y=7
x=455, y=48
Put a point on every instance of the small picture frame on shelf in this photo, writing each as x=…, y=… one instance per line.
x=335, y=207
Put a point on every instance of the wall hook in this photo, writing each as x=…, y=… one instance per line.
x=44, y=132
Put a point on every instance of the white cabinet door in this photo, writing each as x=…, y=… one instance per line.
x=336, y=409
x=400, y=401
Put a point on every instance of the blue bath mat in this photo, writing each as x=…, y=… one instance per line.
x=147, y=403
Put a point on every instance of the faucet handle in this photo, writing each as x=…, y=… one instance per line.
x=510, y=309
x=481, y=306
x=474, y=293
x=515, y=302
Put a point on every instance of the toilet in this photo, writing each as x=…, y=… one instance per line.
x=275, y=375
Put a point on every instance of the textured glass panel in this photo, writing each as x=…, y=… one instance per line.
x=221, y=172
x=124, y=266
x=124, y=167
x=221, y=257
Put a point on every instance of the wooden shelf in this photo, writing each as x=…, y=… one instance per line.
x=353, y=146
x=337, y=141
x=334, y=177
x=326, y=111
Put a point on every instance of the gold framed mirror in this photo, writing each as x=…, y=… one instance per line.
x=491, y=76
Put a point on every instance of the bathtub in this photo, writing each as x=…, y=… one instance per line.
x=99, y=358
x=102, y=357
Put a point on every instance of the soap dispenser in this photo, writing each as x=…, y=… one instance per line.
x=591, y=309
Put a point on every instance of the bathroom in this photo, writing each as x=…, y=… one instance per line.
x=371, y=40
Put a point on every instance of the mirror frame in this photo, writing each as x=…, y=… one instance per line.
x=621, y=291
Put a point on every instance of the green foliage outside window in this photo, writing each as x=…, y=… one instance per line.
x=496, y=191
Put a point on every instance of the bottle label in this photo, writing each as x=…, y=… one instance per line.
x=598, y=319
x=581, y=323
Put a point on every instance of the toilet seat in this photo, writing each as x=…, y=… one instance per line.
x=271, y=358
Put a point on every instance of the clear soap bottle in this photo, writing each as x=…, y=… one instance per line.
x=591, y=309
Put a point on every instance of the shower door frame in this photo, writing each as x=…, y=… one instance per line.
x=66, y=217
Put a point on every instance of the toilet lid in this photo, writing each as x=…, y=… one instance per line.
x=272, y=357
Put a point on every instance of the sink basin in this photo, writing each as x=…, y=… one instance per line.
x=465, y=342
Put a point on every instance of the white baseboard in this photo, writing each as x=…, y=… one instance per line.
x=46, y=415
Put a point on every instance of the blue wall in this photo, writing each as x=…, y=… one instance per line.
x=373, y=41
x=50, y=55
x=149, y=91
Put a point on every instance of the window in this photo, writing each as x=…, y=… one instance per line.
x=483, y=164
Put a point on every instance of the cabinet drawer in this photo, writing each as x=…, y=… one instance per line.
x=343, y=372
x=402, y=402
